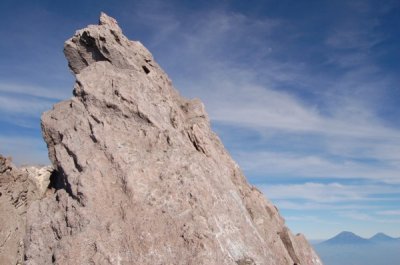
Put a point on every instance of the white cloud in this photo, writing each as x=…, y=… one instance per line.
x=261, y=109
x=310, y=219
x=295, y=204
x=299, y=166
x=222, y=59
x=390, y=212
x=359, y=216
x=247, y=94
x=31, y=107
x=329, y=193
x=353, y=38
x=238, y=80
x=36, y=91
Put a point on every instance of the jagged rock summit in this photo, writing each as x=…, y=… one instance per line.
x=141, y=178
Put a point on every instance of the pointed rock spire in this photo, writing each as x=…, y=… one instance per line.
x=106, y=20
x=142, y=179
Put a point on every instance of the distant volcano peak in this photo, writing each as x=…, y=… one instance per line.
x=346, y=237
x=382, y=237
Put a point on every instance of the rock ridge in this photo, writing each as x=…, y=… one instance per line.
x=140, y=176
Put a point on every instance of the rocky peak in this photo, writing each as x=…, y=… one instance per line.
x=105, y=42
x=106, y=20
x=140, y=176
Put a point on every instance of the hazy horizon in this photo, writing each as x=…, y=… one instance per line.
x=374, y=254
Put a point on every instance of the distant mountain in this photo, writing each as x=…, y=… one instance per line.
x=346, y=237
x=350, y=249
x=383, y=238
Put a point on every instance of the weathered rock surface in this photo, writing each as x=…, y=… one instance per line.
x=19, y=187
x=141, y=177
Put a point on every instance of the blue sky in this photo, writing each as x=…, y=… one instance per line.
x=304, y=94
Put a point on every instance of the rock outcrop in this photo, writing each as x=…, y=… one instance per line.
x=19, y=187
x=140, y=177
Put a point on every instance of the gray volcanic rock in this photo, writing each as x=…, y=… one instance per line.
x=141, y=178
x=19, y=187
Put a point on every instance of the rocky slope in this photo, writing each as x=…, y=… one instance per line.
x=19, y=187
x=140, y=177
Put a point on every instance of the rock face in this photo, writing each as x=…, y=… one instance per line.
x=18, y=189
x=141, y=178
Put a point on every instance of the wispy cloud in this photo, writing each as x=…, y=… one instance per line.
x=311, y=219
x=332, y=192
x=260, y=108
x=247, y=90
x=31, y=107
x=302, y=205
x=346, y=123
x=54, y=93
x=22, y=105
x=390, y=212
x=292, y=165
x=359, y=216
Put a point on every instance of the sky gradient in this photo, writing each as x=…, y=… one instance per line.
x=304, y=95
